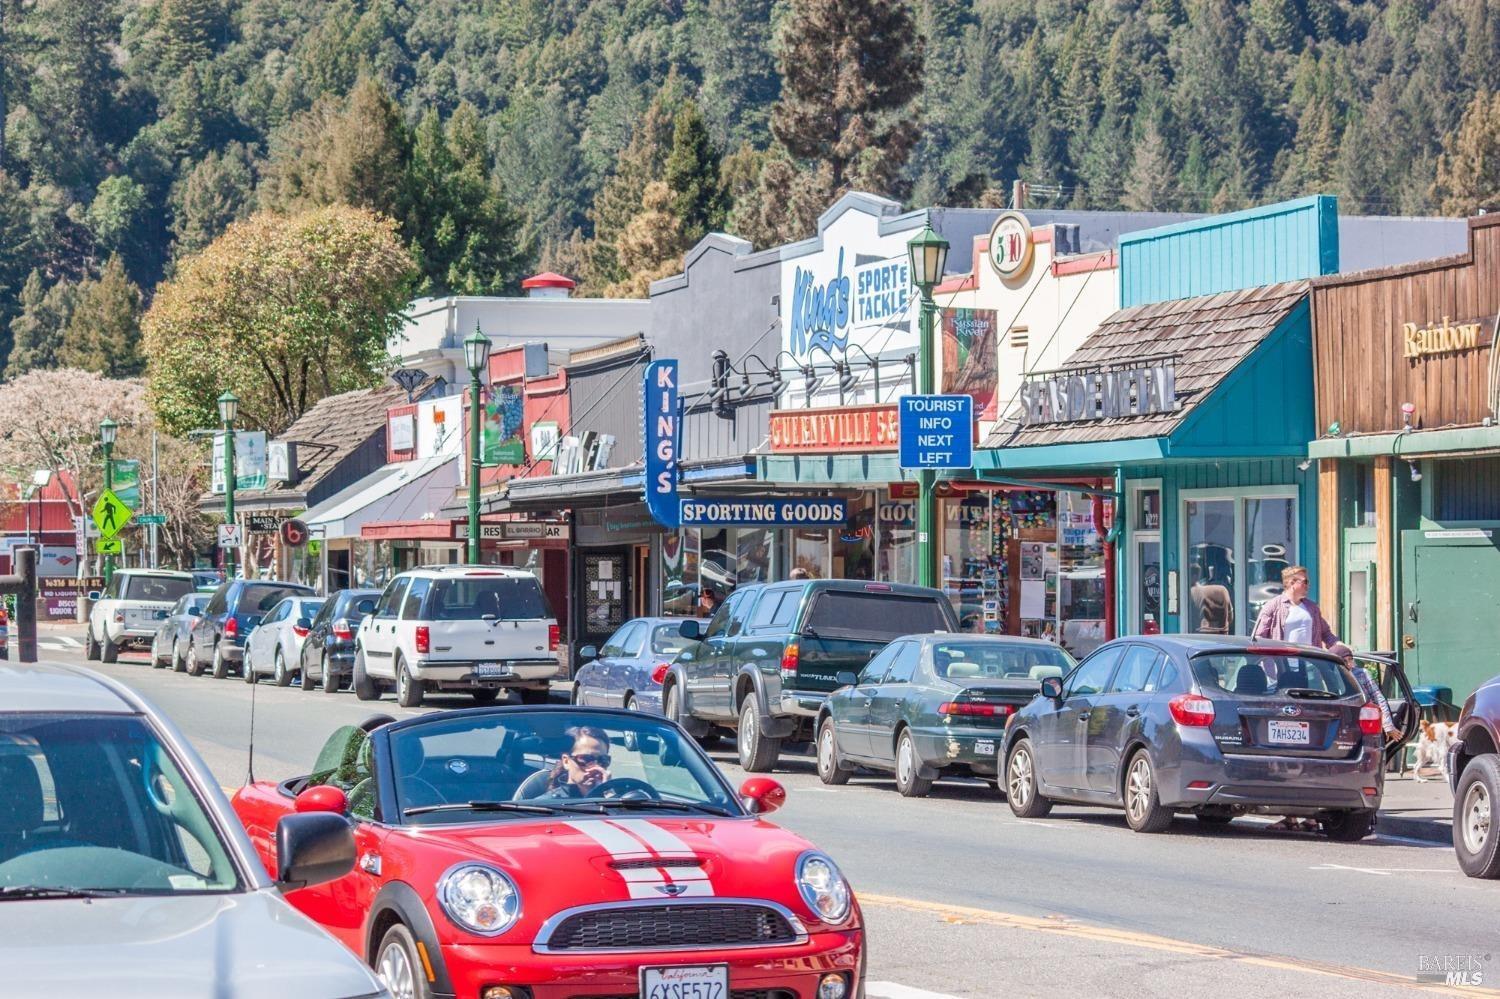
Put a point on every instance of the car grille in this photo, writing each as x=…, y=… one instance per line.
x=672, y=927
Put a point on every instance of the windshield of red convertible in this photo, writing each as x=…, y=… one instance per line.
x=564, y=761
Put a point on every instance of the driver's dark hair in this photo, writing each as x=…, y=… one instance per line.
x=559, y=775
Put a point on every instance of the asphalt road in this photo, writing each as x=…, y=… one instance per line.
x=965, y=900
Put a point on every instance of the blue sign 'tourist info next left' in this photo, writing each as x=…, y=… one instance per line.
x=659, y=404
x=937, y=431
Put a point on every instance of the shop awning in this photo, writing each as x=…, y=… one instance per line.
x=402, y=491
x=561, y=492
x=855, y=470
x=1413, y=444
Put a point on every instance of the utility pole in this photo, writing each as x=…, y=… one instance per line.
x=229, y=407
x=155, y=509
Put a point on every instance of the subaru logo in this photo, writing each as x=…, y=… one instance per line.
x=1291, y=710
x=672, y=891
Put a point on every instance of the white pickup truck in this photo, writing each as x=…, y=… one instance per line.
x=130, y=609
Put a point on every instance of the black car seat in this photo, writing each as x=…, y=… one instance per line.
x=1250, y=679
x=21, y=805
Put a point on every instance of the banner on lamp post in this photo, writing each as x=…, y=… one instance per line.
x=504, y=413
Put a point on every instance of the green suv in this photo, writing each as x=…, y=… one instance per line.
x=773, y=652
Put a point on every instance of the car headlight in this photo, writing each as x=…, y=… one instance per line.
x=479, y=899
x=823, y=888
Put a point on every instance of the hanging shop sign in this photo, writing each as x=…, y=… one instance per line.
x=281, y=461
x=1100, y=393
x=846, y=428
x=403, y=431
x=1446, y=337
x=1010, y=248
x=263, y=523
x=517, y=530
x=661, y=439
x=738, y=511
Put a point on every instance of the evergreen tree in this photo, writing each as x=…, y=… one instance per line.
x=36, y=334
x=218, y=190
x=618, y=200
x=851, y=72
x=103, y=334
x=650, y=246
x=692, y=175
x=187, y=31
x=1149, y=185
x=740, y=84
x=1468, y=172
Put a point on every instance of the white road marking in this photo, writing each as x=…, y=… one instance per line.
x=1384, y=871
x=70, y=642
x=890, y=990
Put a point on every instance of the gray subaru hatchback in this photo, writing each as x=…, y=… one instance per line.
x=123, y=871
x=1213, y=725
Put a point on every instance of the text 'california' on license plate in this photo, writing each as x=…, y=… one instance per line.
x=704, y=981
x=492, y=669
x=1287, y=733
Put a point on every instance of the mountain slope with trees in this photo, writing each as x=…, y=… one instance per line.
x=602, y=137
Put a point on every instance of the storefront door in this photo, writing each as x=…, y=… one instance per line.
x=1233, y=550
x=602, y=595
x=1451, y=631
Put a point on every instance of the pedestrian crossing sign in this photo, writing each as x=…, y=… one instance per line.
x=111, y=514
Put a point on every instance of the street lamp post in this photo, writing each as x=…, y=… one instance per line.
x=477, y=354
x=107, y=430
x=229, y=408
x=929, y=254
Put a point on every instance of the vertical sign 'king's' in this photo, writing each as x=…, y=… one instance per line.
x=659, y=404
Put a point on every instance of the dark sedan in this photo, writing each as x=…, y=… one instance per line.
x=170, y=644
x=628, y=671
x=236, y=607
x=929, y=705
x=1213, y=725
x=328, y=651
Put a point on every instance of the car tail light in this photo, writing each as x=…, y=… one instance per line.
x=119, y=617
x=1369, y=720
x=659, y=674
x=789, y=660
x=980, y=710
x=1272, y=650
x=877, y=587
x=341, y=629
x=1192, y=710
x=299, y=631
x=1199, y=785
x=231, y=627
x=424, y=640
x=554, y=637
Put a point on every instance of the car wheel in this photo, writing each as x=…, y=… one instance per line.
x=1144, y=811
x=396, y=965
x=909, y=779
x=308, y=683
x=194, y=664
x=629, y=703
x=1474, y=834
x=409, y=690
x=330, y=678
x=280, y=672
x=757, y=753
x=1021, y=788
x=219, y=666
x=484, y=695
x=90, y=647
x=247, y=668
x=156, y=661
x=109, y=652
x=364, y=687
x=830, y=771
x=179, y=664
x=1351, y=826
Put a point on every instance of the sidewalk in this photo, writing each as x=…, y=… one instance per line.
x=1417, y=810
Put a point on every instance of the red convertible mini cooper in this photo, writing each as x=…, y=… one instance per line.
x=565, y=853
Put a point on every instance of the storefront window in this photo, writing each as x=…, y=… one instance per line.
x=1211, y=566
x=752, y=558
x=679, y=573
x=974, y=562
x=897, y=558
x=1148, y=586
x=810, y=553
x=1271, y=542
x=854, y=546
x=716, y=565
x=1081, y=594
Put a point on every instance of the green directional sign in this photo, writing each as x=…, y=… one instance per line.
x=147, y=519
x=110, y=514
x=111, y=546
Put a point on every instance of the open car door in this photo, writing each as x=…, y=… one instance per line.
x=1393, y=683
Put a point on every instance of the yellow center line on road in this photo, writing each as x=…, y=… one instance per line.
x=1063, y=926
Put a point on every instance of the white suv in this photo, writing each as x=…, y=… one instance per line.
x=131, y=608
x=474, y=628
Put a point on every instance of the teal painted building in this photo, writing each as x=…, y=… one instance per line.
x=1191, y=408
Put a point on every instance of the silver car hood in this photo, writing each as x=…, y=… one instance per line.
x=244, y=946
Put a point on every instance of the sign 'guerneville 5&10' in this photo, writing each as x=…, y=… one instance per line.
x=1100, y=393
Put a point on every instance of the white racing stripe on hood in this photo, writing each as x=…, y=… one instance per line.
x=654, y=836
x=619, y=844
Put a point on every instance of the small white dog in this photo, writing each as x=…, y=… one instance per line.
x=1432, y=748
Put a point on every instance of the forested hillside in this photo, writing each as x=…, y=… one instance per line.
x=603, y=137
